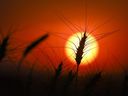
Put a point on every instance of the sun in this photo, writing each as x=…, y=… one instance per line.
x=90, y=51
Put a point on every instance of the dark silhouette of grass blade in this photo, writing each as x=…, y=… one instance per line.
x=34, y=44
x=79, y=53
x=30, y=47
x=58, y=72
x=3, y=47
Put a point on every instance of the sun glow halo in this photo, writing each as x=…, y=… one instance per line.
x=90, y=50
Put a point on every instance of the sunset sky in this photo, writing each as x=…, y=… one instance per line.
x=32, y=19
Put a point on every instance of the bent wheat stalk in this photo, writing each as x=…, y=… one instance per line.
x=3, y=47
x=30, y=47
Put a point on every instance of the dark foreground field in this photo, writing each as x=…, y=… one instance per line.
x=41, y=85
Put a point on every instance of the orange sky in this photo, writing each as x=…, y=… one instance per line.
x=34, y=18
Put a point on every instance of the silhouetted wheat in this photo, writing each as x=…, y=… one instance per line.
x=80, y=51
x=34, y=44
x=30, y=47
x=58, y=72
x=3, y=47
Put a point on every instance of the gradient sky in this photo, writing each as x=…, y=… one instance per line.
x=31, y=19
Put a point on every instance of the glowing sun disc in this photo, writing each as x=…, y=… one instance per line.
x=90, y=50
